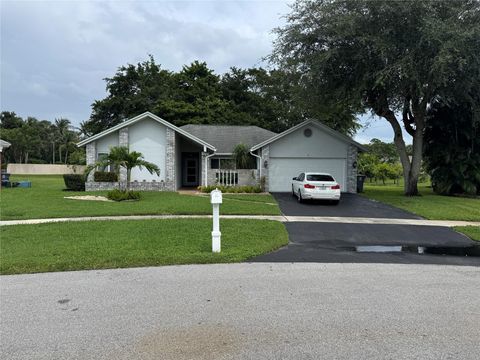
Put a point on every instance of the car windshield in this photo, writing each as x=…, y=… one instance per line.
x=319, y=177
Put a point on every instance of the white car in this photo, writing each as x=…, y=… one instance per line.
x=314, y=186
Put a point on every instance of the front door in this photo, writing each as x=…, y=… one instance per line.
x=189, y=169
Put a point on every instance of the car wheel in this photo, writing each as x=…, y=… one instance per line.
x=335, y=202
x=299, y=196
x=293, y=191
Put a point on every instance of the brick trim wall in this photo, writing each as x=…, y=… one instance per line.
x=170, y=176
x=352, y=154
x=265, y=154
x=91, y=154
x=123, y=141
x=134, y=185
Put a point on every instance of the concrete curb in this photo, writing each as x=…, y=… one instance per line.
x=317, y=219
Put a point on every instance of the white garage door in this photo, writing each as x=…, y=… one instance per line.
x=282, y=170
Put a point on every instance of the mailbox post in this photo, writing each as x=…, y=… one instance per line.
x=216, y=200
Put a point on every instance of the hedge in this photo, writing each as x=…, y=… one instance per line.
x=105, y=176
x=231, y=189
x=74, y=182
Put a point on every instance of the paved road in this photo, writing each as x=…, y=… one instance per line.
x=334, y=242
x=244, y=311
x=351, y=205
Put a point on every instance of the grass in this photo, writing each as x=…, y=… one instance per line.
x=429, y=205
x=473, y=232
x=45, y=199
x=119, y=244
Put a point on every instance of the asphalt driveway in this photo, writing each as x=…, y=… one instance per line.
x=337, y=242
x=351, y=205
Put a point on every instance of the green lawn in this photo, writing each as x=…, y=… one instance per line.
x=118, y=244
x=473, y=232
x=45, y=199
x=429, y=205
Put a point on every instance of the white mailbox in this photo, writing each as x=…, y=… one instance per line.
x=216, y=200
x=216, y=196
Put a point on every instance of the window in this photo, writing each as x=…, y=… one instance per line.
x=319, y=177
x=301, y=177
x=103, y=156
x=307, y=132
x=229, y=164
x=215, y=163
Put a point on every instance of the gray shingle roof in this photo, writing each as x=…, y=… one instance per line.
x=226, y=137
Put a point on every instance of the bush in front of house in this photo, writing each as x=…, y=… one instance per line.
x=105, y=176
x=74, y=182
x=231, y=189
x=122, y=195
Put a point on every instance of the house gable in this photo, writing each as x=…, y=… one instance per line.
x=317, y=124
x=145, y=115
x=318, y=144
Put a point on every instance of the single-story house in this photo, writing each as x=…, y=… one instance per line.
x=194, y=155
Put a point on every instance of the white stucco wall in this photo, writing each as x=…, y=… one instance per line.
x=105, y=143
x=296, y=153
x=320, y=144
x=149, y=138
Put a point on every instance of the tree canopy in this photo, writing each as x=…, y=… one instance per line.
x=40, y=141
x=390, y=57
x=271, y=99
x=452, y=148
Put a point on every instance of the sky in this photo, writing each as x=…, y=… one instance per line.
x=55, y=54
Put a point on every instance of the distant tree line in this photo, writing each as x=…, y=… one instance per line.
x=380, y=162
x=40, y=141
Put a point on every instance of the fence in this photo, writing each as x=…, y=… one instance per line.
x=44, y=169
x=226, y=177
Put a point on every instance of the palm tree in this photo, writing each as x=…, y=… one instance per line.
x=62, y=128
x=242, y=157
x=120, y=156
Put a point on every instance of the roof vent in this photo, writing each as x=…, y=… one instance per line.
x=307, y=132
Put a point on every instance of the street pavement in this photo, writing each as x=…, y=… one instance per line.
x=244, y=311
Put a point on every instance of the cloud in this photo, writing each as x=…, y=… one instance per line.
x=55, y=54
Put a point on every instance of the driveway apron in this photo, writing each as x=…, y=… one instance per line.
x=336, y=242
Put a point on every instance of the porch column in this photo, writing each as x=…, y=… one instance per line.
x=91, y=154
x=170, y=183
x=265, y=154
x=123, y=141
x=203, y=164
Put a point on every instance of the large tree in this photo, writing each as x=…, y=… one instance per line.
x=390, y=57
x=452, y=148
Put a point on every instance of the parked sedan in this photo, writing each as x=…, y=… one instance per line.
x=320, y=186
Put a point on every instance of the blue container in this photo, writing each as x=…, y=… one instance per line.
x=25, y=184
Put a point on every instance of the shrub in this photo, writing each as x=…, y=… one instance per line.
x=231, y=189
x=122, y=195
x=105, y=176
x=74, y=182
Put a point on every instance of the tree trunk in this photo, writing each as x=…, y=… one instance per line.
x=129, y=173
x=411, y=169
x=411, y=188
